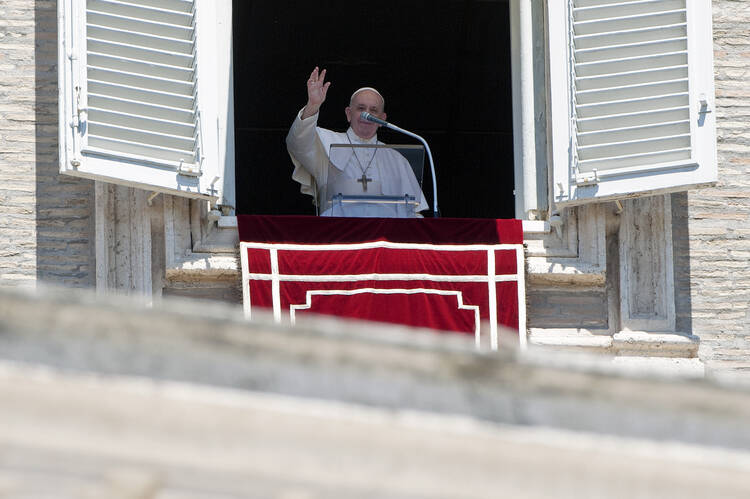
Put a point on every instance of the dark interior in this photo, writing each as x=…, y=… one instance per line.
x=442, y=65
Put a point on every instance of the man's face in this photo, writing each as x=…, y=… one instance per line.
x=369, y=101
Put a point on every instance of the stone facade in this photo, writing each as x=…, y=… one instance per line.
x=46, y=229
x=49, y=222
x=718, y=227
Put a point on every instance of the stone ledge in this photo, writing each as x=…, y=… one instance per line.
x=640, y=343
x=196, y=266
x=333, y=359
x=70, y=434
x=558, y=271
x=222, y=238
x=571, y=338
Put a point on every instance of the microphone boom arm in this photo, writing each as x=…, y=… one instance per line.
x=435, y=212
x=369, y=117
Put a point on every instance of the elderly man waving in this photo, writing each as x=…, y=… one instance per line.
x=354, y=170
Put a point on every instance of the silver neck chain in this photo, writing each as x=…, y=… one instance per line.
x=361, y=168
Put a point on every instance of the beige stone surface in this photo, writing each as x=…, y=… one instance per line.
x=69, y=435
x=46, y=227
x=715, y=260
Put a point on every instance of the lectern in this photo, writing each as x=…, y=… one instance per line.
x=373, y=180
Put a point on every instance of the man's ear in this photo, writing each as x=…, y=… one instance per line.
x=348, y=111
x=385, y=117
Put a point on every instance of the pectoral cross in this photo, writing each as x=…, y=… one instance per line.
x=364, y=181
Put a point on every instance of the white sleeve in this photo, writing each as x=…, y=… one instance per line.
x=307, y=152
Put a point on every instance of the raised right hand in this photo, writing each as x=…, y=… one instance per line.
x=317, y=88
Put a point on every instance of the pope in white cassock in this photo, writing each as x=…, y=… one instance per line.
x=350, y=170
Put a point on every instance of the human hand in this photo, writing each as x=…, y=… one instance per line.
x=317, y=88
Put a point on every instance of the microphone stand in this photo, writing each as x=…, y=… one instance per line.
x=369, y=117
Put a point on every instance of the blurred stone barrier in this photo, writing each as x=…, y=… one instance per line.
x=110, y=397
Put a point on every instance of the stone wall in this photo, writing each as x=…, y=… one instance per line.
x=566, y=307
x=46, y=223
x=718, y=227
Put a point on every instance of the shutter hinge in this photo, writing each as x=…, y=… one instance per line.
x=211, y=187
x=556, y=222
x=705, y=106
x=77, y=119
x=561, y=195
x=619, y=207
x=189, y=169
x=588, y=178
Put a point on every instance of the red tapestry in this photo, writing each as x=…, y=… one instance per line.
x=458, y=275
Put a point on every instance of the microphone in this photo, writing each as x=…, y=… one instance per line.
x=367, y=116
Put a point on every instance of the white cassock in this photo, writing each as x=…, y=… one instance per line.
x=386, y=170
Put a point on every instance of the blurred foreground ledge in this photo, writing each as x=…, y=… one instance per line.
x=108, y=397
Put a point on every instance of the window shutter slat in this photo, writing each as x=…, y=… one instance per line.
x=116, y=90
x=605, y=25
x=635, y=63
x=613, y=52
x=104, y=144
x=135, y=25
x=632, y=133
x=631, y=36
x=141, y=135
x=142, y=123
x=648, y=89
x=150, y=42
x=146, y=109
x=174, y=5
x=599, y=10
x=632, y=119
x=160, y=70
x=630, y=78
x=140, y=81
x=616, y=107
x=144, y=12
x=181, y=60
x=615, y=163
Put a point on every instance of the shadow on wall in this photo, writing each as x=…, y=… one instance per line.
x=64, y=204
x=681, y=255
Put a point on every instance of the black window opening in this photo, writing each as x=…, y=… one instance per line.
x=444, y=69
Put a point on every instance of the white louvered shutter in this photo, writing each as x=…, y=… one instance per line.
x=132, y=108
x=631, y=97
